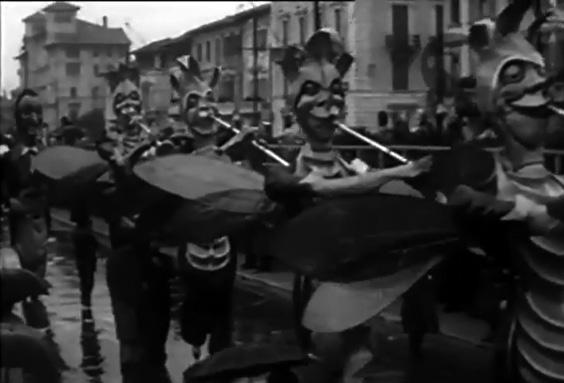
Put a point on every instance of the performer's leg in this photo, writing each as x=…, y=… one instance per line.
x=221, y=333
x=419, y=313
x=85, y=247
x=194, y=320
x=156, y=318
x=302, y=291
x=124, y=279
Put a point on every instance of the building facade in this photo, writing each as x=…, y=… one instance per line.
x=227, y=43
x=62, y=56
x=292, y=23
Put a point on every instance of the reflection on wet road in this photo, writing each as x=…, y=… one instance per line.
x=87, y=340
x=88, y=344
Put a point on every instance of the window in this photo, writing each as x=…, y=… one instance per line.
x=337, y=15
x=109, y=51
x=95, y=53
x=96, y=70
x=208, y=51
x=400, y=30
x=158, y=64
x=63, y=17
x=74, y=110
x=227, y=89
x=262, y=36
x=263, y=88
x=199, y=52
x=73, y=69
x=483, y=8
x=217, y=51
x=455, y=12
x=302, y=21
x=232, y=46
x=95, y=92
x=73, y=92
x=285, y=32
x=73, y=52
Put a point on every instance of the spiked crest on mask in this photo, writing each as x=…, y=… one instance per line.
x=125, y=100
x=316, y=90
x=197, y=104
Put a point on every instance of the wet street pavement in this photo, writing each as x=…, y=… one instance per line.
x=89, y=347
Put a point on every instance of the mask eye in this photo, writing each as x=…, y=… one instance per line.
x=192, y=101
x=311, y=88
x=337, y=88
x=119, y=98
x=513, y=73
x=210, y=96
x=134, y=95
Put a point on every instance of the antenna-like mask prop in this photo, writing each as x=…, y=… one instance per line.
x=547, y=35
x=198, y=105
x=511, y=81
x=315, y=74
x=125, y=103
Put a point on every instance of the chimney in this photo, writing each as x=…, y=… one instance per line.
x=105, y=21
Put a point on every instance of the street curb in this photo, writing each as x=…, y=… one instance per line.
x=281, y=290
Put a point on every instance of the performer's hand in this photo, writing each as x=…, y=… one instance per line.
x=246, y=132
x=474, y=202
x=416, y=168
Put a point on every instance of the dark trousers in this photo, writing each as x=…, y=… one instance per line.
x=140, y=296
x=207, y=308
x=85, y=248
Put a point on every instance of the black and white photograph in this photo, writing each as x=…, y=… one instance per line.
x=362, y=191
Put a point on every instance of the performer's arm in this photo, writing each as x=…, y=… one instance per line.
x=366, y=182
x=542, y=219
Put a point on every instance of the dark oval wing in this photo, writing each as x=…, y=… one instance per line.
x=193, y=177
x=20, y=284
x=338, y=237
x=58, y=162
x=26, y=348
x=246, y=361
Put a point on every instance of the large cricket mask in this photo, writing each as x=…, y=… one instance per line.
x=511, y=79
x=28, y=114
x=198, y=105
x=315, y=74
x=124, y=103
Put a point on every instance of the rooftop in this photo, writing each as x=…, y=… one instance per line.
x=61, y=6
x=90, y=33
x=153, y=46
x=37, y=16
x=228, y=20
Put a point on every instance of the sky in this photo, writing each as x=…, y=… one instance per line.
x=150, y=20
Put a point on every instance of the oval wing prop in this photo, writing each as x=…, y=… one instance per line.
x=216, y=215
x=338, y=237
x=58, y=162
x=26, y=348
x=246, y=361
x=19, y=284
x=194, y=177
x=335, y=307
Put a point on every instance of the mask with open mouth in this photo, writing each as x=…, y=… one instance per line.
x=28, y=114
x=317, y=92
x=511, y=79
x=125, y=102
x=198, y=106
